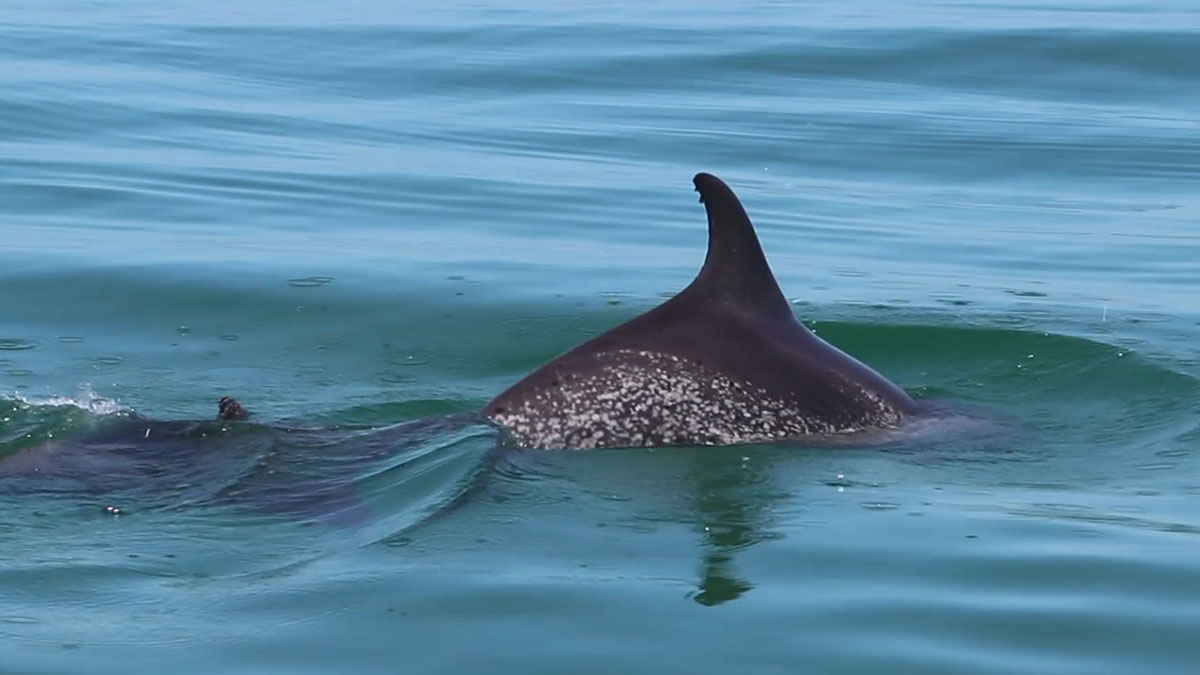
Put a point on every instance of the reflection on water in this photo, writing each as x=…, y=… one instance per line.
x=732, y=513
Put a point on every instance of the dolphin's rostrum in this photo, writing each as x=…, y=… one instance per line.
x=723, y=362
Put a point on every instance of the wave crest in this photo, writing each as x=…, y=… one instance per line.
x=85, y=399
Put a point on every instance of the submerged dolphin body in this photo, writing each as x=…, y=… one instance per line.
x=723, y=362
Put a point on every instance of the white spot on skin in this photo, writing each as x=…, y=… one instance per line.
x=637, y=398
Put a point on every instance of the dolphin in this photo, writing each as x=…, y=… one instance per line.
x=724, y=362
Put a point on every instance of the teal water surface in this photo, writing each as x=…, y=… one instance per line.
x=357, y=216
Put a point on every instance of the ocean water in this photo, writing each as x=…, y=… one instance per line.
x=356, y=216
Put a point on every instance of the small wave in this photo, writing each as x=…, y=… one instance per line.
x=85, y=399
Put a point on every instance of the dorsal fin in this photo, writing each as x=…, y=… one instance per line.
x=735, y=269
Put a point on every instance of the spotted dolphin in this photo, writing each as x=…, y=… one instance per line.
x=723, y=362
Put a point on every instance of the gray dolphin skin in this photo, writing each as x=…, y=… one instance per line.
x=723, y=362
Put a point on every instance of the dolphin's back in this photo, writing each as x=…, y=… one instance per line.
x=725, y=361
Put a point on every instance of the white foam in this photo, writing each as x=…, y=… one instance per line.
x=84, y=399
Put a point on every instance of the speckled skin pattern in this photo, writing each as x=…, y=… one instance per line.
x=723, y=362
x=641, y=398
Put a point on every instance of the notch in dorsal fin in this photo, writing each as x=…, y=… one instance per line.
x=735, y=269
